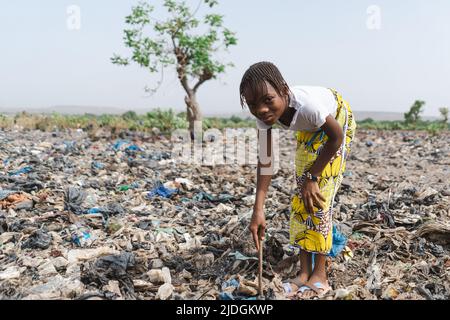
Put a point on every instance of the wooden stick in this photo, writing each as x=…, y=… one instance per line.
x=260, y=268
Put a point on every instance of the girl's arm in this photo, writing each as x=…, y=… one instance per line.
x=264, y=177
x=311, y=193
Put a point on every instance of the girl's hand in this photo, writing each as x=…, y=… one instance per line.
x=258, y=226
x=312, y=196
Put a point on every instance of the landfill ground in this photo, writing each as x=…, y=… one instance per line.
x=96, y=216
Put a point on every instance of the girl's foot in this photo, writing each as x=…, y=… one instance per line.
x=291, y=286
x=315, y=287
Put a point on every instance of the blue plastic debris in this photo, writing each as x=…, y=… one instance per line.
x=133, y=148
x=339, y=242
x=81, y=236
x=118, y=144
x=227, y=284
x=81, y=240
x=105, y=216
x=202, y=196
x=161, y=191
x=97, y=165
x=227, y=295
x=20, y=171
x=134, y=185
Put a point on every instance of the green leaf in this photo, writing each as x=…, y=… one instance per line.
x=116, y=59
x=214, y=20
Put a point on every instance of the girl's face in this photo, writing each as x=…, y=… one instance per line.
x=266, y=106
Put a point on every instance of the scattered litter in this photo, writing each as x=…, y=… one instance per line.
x=81, y=236
x=113, y=216
x=113, y=267
x=161, y=191
x=38, y=240
x=233, y=290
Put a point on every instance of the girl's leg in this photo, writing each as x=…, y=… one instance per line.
x=318, y=275
x=305, y=265
x=305, y=271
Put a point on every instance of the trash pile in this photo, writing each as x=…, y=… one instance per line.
x=101, y=217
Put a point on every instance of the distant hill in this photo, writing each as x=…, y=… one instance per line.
x=98, y=110
x=385, y=116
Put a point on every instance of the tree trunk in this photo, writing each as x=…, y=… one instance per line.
x=193, y=111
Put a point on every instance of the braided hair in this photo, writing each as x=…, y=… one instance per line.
x=255, y=78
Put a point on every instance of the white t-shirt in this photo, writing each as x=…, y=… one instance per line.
x=313, y=105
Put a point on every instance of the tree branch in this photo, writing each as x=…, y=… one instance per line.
x=206, y=75
x=190, y=16
x=181, y=66
x=198, y=84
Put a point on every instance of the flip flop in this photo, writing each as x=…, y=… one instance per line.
x=316, y=287
x=288, y=287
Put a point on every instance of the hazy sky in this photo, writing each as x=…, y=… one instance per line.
x=321, y=42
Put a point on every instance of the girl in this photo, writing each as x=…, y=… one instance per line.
x=325, y=127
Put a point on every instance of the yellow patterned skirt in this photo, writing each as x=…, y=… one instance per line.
x=313, y=232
